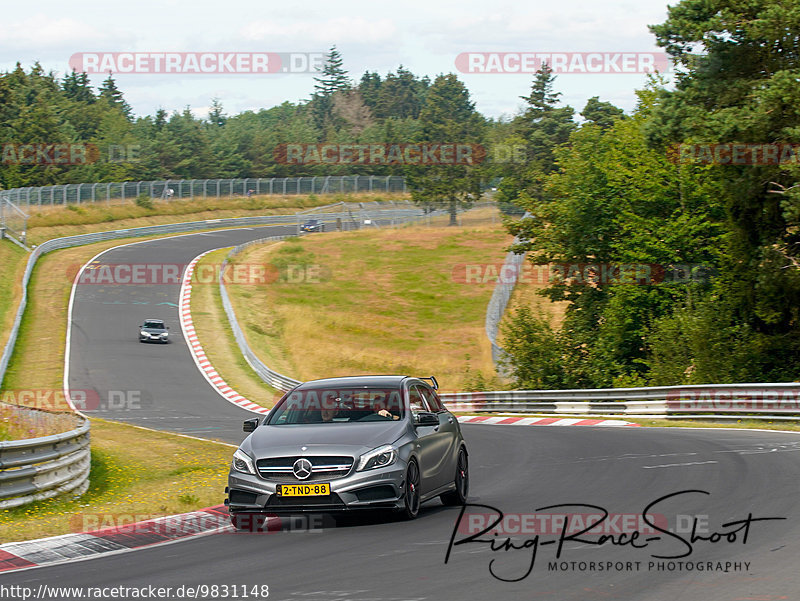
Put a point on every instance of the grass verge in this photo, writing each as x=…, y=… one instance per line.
x=754, y=424
x=12, y=267
x=136, y=474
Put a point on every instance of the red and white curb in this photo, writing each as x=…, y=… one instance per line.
x=499, y=420
x=198, y=354
x=113, y=540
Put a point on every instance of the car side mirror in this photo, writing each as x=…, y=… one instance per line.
x=425, y=418
x=250, y=424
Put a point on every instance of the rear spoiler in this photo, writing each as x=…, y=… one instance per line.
x=434, y=382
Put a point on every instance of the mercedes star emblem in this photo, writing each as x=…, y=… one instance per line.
x=302, y=468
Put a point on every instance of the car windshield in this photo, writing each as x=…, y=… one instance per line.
x=336, y=406
x=156, y=325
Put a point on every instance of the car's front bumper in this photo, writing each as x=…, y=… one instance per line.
x=157, y=338
x=380, y=488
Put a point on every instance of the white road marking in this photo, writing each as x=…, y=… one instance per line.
x=650, y=467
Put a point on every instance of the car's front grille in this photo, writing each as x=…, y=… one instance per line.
x=323, y=467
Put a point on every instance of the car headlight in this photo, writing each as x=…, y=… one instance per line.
x=380, y=457
x=142, y=333
x=242, y=463
x=165, y=334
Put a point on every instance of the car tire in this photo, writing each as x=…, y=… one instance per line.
x=410, y=508
x=461, y=482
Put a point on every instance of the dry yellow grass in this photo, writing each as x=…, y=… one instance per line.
x=526, y=293
x=12, y=265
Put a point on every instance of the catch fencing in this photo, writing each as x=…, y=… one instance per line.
x=13, y=221
x=194, y=189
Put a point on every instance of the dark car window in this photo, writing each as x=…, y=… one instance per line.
x=432, y=400
x=416, y=399
x=153, y=324
x=339, y=405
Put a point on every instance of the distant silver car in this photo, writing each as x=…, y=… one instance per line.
x=313, y=225
x=350, y=443
x=154, y=330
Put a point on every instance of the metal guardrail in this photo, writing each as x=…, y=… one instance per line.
x=204, y=188
x=39, y=468
x=270, y=376
x=776, y=401
x=773, y=401
x=499, y=301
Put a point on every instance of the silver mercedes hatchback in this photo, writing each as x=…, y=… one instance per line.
x=340, y=444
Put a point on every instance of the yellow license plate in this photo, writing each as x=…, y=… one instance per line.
x=304, y=490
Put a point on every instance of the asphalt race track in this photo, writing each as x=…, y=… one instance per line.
x=517, y=470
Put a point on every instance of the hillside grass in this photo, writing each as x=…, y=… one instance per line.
x=373, y=301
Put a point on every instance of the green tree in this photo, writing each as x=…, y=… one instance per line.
x=448, y=117
x=539, y=130
x=333, y=78
x=600, y=113
x=113, y=96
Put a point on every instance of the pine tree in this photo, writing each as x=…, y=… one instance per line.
x=333, y=79
x=76, y=87
x=215, y=116
x=112, y=95
x=448, y=117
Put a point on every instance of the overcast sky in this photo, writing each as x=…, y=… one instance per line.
x=424, y=36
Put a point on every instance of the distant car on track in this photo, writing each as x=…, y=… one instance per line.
x=313, y=225
x=154, y=330
x=341, y=444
